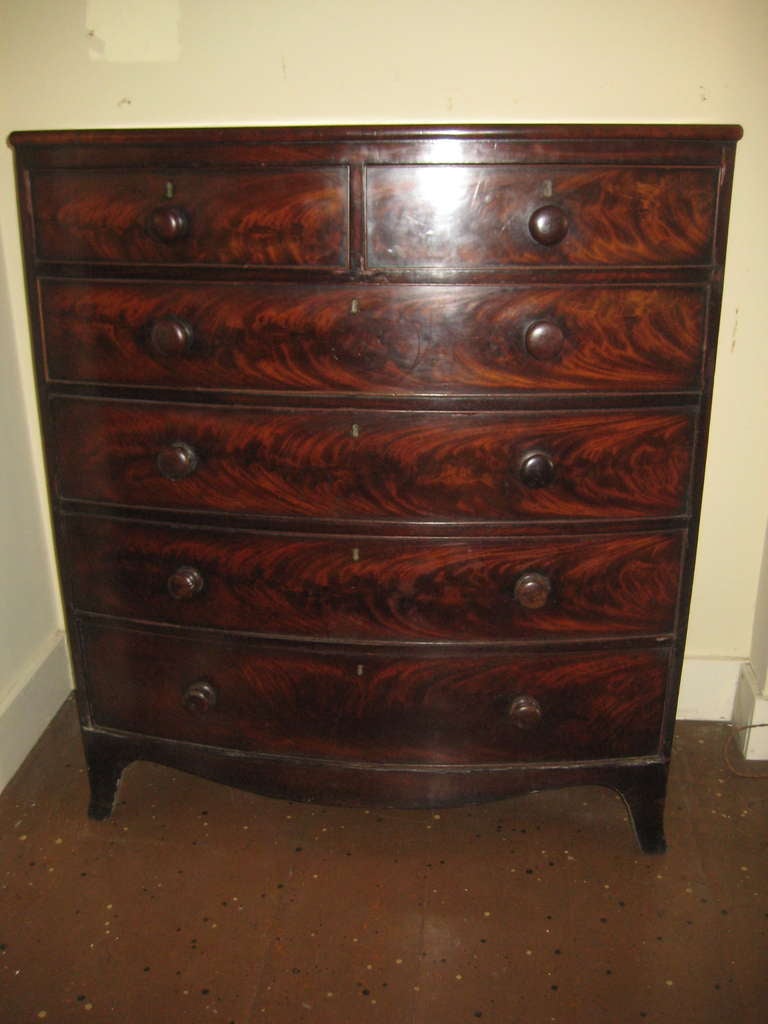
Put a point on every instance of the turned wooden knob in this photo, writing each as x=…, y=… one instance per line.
x=184, y=583
x=177, y=460
x=170, y=337
x=532, y=590
x=536, y=469
x=168, y=223
x=548, y=225
x=525, y=712
x=544, y=340
x=199, y=697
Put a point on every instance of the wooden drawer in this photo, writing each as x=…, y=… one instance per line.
x=486, y=216
x=408, y=339
x=375, y=588
x=274, y=217
x=372, y=706
x=348, y=464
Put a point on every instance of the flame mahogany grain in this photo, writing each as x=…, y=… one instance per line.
x=412, y=708
x=411, y=339
x=375, y=588
x=349, y=463
x=351, y=477
x=276, y=217
x=479, y=216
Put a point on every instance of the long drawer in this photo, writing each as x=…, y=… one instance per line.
x=352, y=463
x=412, y=339
x=376, y=588
x=372, y=706
x=277, y=216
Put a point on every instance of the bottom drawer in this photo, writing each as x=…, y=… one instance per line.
x=376, y=705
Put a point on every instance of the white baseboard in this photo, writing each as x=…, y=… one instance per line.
x=708, y=689
x=28, y=709
x=750, y=708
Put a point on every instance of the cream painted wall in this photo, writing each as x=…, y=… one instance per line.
x=72, y=63
x=29, y=614
x=29, y=608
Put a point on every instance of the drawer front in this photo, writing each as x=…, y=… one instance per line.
x=375, y=707
x=288, y=217
x=374, y=588
x=407, y=339
x=349, y=464
x=486, y=216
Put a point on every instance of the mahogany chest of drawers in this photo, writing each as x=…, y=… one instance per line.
x=375, y=454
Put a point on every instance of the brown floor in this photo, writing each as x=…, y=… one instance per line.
x=196, y=903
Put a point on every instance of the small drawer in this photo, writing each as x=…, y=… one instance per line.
x=376, y=707
x=361, y=464
x=376, y=588
x=492, y=216
x=406, y=339
x=276, y=217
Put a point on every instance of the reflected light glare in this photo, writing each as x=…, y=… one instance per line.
x=443, y=190
x=446, y=151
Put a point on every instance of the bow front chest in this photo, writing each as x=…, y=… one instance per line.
x=375, y=454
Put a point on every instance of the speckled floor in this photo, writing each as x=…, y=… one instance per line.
x=196, y=903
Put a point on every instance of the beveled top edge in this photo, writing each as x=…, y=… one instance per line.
x=393, y=132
